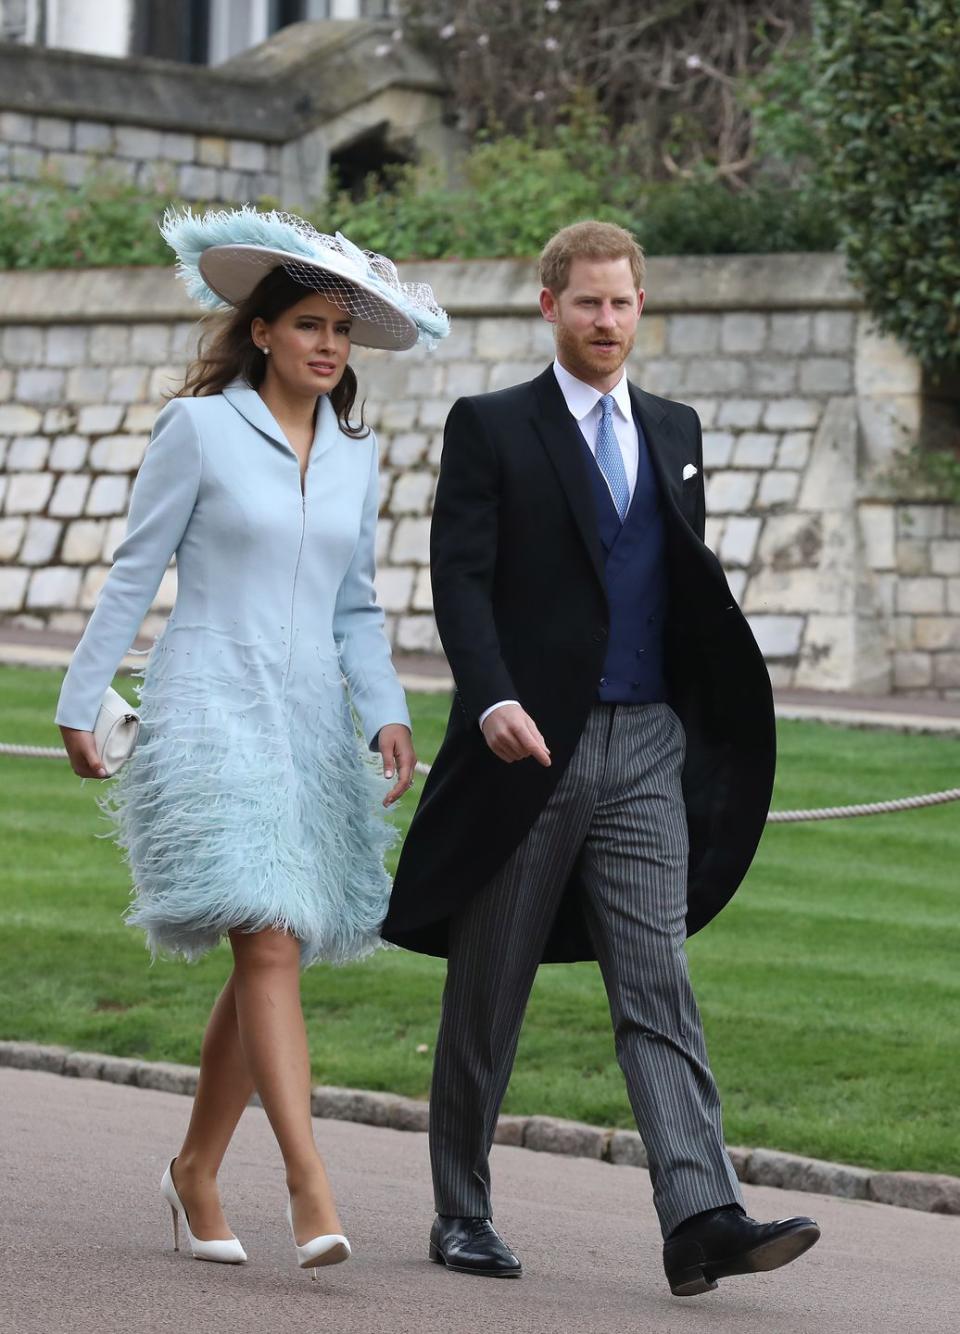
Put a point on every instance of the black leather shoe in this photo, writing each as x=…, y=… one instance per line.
x=472, y=1246
x=725, y=1242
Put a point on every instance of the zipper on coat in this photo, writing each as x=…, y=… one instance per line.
x=296, y=571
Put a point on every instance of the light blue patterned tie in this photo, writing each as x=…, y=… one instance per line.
x=610, y=459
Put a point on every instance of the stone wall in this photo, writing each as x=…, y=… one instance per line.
x=803, y=406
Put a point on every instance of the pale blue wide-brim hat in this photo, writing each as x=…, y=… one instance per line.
x=223, y=255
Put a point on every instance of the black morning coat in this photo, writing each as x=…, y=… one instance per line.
x=520, y=603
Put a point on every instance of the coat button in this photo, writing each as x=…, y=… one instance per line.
x=600, y=635
x=603, y=680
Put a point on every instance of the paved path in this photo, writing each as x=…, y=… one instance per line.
x=85, y=1240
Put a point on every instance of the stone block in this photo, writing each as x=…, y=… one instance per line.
x=769, y=377
x=883, y=366
x=511, y=1130
x=435, y=450
x=912, y=558
x=790, y=414
x=831, y=657
x=246, y=155
x=137, y=142
x=951, y=518
x=834, y=330
x=70, y=495
x=120, y=1070
x=470, y=377
x=118, y=453
x=211, y=150
x=887, y=426
x=11, y=535
x=27, y=453
x=150, y=344
x=935, y=1193
x=825, y=375
x=830, y=482
x=86, y=384
x=932, y=634
x=778, y=489
x=777, y=636
x=665, y=375
x=920, y=521
x=506, y=339
x=26, y=164
x=953, y=596
x=41, y=541
x=790, y=333
x=15, y=419
x=113, y=535
x=737, y=583
x=412, y=493
x=423, y=592
x=792, y=541
x=84, y=1065
x=739, y=1160
x=408, y=1114
x=16, y=128
x=743, y=413
x=93, y=136
x=395, y=587
x=108, y=495
x=945, y=556
x=877, y=535
x=901, y=627
x=128, y=384
x=339, y=1104
x=33, y=1056
x=23, y=345
x=408, y=448
x=731, y=492
x=40, y=386
x=55, y=586
x=99, y=418
x=69, y=168
x=53, y=132
x=715, y=375
x=168, y=1077
x=66, y=345
x=946, y=671
x=398, y=415
x=28, y=492
x=921, y=596
x=13, y=587
x=417, y=634
x=739, y=541
x=549, y=1134
x=707, y=410
x=6, y=384
x=742, y=331
x=83, y=542
x=794, y=449
x=166, y=594
x=755, y=449
x=184, y=336
x=626, y=1149
x=912, y=671
x=713, y=534
x=718, y=448
x=140, y=419
x=384, y=534
x=433, y=413
x=176, y=147
x=789, y=1171
x=651, y=337
x=59, y=421
x=693, y=334
x=411, y=542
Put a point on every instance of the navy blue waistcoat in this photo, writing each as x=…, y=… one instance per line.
x=636, y=575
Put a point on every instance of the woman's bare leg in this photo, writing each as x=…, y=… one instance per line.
x=274, y=1041
x=223, y=1091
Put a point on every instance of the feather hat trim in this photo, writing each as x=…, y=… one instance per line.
x=223, y=255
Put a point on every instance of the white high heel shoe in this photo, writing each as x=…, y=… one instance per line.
x=224, y=1252
x=329, y=1249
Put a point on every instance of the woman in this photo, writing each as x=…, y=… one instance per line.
x=247, y=808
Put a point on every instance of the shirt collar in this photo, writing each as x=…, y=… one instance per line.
x=582, y=398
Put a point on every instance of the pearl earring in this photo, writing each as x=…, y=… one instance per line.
x=265, y=351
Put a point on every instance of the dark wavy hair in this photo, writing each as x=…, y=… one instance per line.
x=227, y=350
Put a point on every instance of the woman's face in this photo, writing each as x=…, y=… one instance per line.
x=309, y=345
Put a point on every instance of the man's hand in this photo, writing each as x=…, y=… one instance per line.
x=396, y=746
x=512, y=735
x=82, y=752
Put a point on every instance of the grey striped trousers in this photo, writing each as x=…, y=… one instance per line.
x=618, y=809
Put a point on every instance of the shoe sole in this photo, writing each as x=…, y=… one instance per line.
x=774, y=1254
x=438, y=1259
x=335, y=1256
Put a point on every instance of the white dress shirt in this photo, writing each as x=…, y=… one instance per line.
x=584, y=404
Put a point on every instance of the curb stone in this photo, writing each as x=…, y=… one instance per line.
x=929, y=1192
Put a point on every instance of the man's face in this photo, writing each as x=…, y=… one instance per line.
x=596, y=319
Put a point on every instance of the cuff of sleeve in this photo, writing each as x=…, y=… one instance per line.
x=493, y=708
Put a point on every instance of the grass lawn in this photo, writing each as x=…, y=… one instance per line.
x=830, y=987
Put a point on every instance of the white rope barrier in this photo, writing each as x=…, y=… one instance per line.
x=774, y=817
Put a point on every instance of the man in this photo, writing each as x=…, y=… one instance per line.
x=607, y=768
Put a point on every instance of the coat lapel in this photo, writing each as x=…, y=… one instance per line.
x=660, y=435
x=560, y=436
x=253, y=409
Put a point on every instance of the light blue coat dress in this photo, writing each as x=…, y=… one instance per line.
x=250, y=801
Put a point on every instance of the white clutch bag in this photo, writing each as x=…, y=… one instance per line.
x=115, y=731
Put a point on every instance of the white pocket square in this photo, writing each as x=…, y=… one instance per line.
x=689, y=470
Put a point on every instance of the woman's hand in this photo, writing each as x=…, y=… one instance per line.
x=82, y=753
x=396, y=746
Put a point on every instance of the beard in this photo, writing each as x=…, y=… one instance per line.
x=583, y=360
